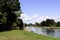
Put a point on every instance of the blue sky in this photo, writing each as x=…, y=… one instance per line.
x=39, y=10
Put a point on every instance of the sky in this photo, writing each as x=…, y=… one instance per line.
x=39, y=10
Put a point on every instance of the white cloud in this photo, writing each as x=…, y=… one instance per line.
x=24, y=16
x=36, y=18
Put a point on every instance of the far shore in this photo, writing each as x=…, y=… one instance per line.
x=48, y=27
x=44, y=27
x=27, y=28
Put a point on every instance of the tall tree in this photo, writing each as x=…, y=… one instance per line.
x=8, y=8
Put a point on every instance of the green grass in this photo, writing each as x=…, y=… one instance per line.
x=23, y=35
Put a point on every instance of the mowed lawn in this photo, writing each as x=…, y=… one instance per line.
x=23, y=35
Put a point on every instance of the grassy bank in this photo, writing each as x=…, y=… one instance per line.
x=23, y=35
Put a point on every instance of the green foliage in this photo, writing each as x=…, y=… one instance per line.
x=37, y=24
x=20, y=23
x=43, y=23
x=48, y=22
x=8, y=14
x=18, y=13
x=30, y=24
x=58, y=24
x=3, y=19
x=12, y=5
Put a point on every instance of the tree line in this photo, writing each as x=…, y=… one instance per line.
x=9, y=15
x=47, y=23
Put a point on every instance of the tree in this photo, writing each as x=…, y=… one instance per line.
x=43, y=23
x=37, y=24
x=20, y=23
x=58, y=24
x=30, y=24
x=48, y=22
x=7, y=13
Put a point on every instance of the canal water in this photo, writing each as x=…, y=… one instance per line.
x=46, y=31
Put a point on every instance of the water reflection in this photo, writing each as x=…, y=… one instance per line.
x=46, y=31
x=57, y=33
x=50, y=31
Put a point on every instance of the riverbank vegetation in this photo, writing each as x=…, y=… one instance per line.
x=47, y=23
x=23, y=35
